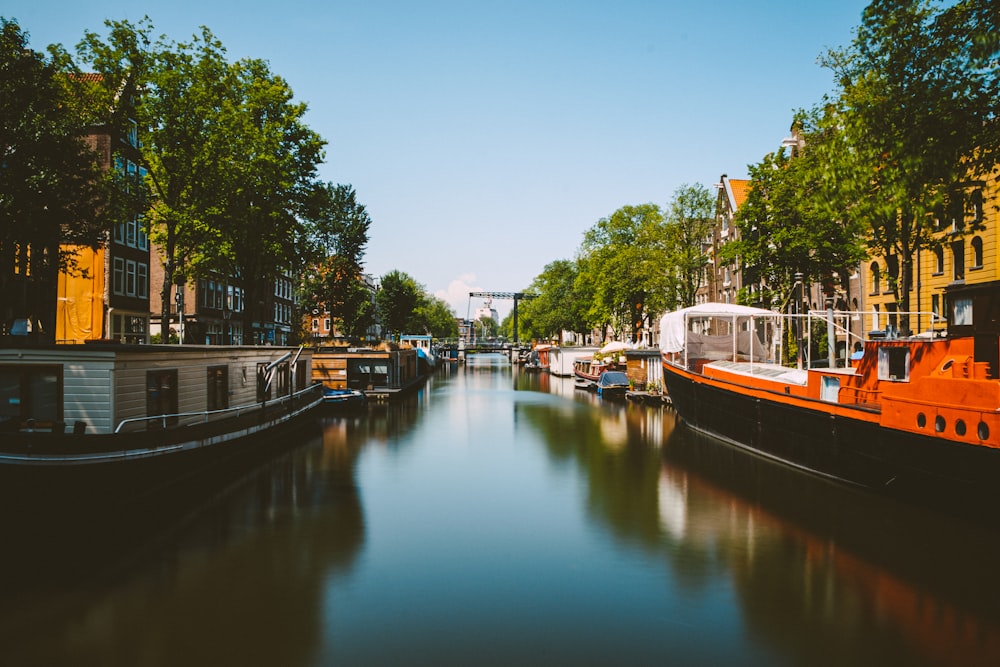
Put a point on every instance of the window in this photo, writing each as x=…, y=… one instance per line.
x=876, y=277
x=132, y=134
x=120, y=233
x=938, y=261
x=958, y=259
x=161, y=396
x=830, y=389
x=894, y=363
x=130, y=232
x=977, y=253
x=118, y=276
x=142, y=280
x=30, y=392
x=130, y=278
x=961, y=312
x=218, y=387
x=891, y=272
x=142, y=241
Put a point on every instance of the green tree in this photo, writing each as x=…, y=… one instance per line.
x=558, y=305
x=689, y=221
x=434, y=316
x=620, y=256
x=907, y=125
x=263, y=180
x=397, y=300
x=783, y=232
x=338, y=234
x=52, y=189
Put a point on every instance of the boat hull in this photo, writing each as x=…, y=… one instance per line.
x=850, y=445
x=48, y=468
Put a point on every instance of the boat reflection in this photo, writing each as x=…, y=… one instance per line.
x=803, y=553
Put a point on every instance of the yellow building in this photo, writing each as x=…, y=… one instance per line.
x=968, y=254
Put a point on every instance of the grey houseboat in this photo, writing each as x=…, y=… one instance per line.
x=147, y=411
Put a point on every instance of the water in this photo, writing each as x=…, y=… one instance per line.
x=499, y=518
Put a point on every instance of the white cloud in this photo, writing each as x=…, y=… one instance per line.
x=457, y=294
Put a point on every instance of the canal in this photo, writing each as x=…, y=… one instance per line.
x=498, y=517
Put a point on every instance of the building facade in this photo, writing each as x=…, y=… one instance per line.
x=107, y=296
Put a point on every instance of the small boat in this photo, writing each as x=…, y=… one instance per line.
x=343, y=398
x=917, y=417
x=612, y=384
x=538, y=358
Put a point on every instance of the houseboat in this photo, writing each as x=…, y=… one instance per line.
x=379, y=374
x=103, y=412
x=917, y=417
x=562, y=360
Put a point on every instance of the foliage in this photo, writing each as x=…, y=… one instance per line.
x=433, y=316
x=689, y=221
x=230, y=160
x=52, y=189
x=621, y=257
x=558, y=305
x=397, y=300
x=338, y=234
x=907, y=124
x=783, y=232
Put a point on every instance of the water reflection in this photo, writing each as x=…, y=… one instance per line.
x=504, y=517
x=815, y=564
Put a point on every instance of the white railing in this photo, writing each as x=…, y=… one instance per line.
x=207, y=415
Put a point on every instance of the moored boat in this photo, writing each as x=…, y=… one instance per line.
x=917, y=417
x=138, y=414
x=612, y=384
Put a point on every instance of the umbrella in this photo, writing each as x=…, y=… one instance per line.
x=614, y=346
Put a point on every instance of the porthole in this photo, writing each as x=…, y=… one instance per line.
x=921, y=420
x=947, y=365
x=984, y=431
x=939, y=424
x=960, y=427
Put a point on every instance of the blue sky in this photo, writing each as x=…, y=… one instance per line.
x=486, y=137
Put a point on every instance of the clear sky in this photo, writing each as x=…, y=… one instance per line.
x=485, y=137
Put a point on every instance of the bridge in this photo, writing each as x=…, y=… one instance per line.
x=516, y=296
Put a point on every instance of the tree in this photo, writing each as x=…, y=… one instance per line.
x=266, y=161
x=689, y=221
x=52, y=189
x=621, y=255
x=397, y=300
x=558, y=306
x=178, y=87
x=783, y=233
x=908, y=125
x=434, y=316
x=338, y=234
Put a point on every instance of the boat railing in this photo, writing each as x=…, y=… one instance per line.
x=204, y=416
x=844, y=331
x=859, y=396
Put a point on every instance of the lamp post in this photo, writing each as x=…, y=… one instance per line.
x=179, y=298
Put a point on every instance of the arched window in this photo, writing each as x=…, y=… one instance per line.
x=977, y=205
x=876, y=277
x=977, y=253
x=958, y=259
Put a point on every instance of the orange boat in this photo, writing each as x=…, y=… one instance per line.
x=918, y=416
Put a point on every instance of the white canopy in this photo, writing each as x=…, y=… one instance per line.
x=672, y=325
x=614, y=346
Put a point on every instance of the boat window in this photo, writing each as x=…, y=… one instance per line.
x=161, y=396
x=30, y=392
x=894, y=364
x=830, y=389
x=218, y=387
x=961, y=312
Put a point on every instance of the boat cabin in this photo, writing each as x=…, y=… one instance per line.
x=111, y=388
